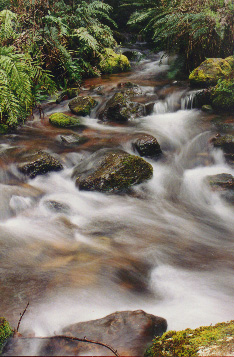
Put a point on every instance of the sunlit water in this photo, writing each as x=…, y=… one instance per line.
x=167, y=248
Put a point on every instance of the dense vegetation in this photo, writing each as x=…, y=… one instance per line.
x=48, y=45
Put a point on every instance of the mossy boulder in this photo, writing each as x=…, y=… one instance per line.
x=113, y=62
x=111, y=171
x=217, y=340
x=223, y=95
x=3, y=129
x=130, y=89
x=5, y=331
x=63, y=121
x=147, y=145
x=120, y=109
x=82, y=105
x=210, y=71
x=38, y=163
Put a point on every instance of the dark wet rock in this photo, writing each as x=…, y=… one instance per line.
x=68, y=94
x=57, y=207
x=71, y=140
x=149, y=108
x=128, y=332
x=221, y=181
x=38, y=163
x=120, y=109
x=111, y=171
x=82, y=105
x=63, y=121
x=211, y=70
x=225, y=142
x=147, y=145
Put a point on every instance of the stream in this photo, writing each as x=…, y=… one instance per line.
x=167, y=248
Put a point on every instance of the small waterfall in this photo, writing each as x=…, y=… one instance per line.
x=170, y=104
x=189, y=101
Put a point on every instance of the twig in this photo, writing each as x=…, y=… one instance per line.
x=21, y=316
x=75, y=339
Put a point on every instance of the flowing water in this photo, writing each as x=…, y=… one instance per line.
x=167, y=248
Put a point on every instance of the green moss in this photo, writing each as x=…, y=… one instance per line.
x=113, y=62
x=223, y=94
x=3, y=129
x=188, y=342
x=5, y=331
x=82, y=105
x=63, y=121
x=211, y=71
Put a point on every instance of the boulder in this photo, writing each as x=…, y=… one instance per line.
x=38, y=163
x=63, y=121
x=113, y=62
x=210, y=340
x=128, y=332
x=111, y=171
x=147, y=145
x=211, y=70
x=130, y=89
x=82, y=105
x=120, y=109
x=71, y=140
x=223, y=95
x=5, y=332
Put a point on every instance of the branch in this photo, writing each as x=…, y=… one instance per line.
x=75, y=339
x=21, y=316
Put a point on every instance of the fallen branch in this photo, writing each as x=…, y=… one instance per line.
x=21, y=316
x=74, y=339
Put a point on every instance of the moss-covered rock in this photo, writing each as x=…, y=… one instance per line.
x=5, y=331
x=210, y=71
x=147, y=145
x=111, y=171
x=221, y=181
x=113, y=62
x=217, y=340
x=223, y=95
x=130, y=89
x=82, y=105
x=63, y=121
x=71, y=140
x=120, y=109
x=38, y=163
x=225, y=142
x=3, y=129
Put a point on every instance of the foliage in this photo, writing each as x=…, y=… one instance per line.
x=188, y=342
x=195, y=28
x=5, y=331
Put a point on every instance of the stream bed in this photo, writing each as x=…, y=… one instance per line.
x=166, y=248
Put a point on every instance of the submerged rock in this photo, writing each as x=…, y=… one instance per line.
x=147, y=145
x=215, y=340
x=38, y=163
x=111, y=171
x=63, y=120
x=128, y=332
x=82, y=105
x=221, y=181
x=71, y=140
x=211, y=70
x=120, y=109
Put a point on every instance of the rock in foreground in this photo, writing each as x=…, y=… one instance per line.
x=63, y=121
x=128, y=332
x=38, y=163
x=111, y=171
x=215, y=340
